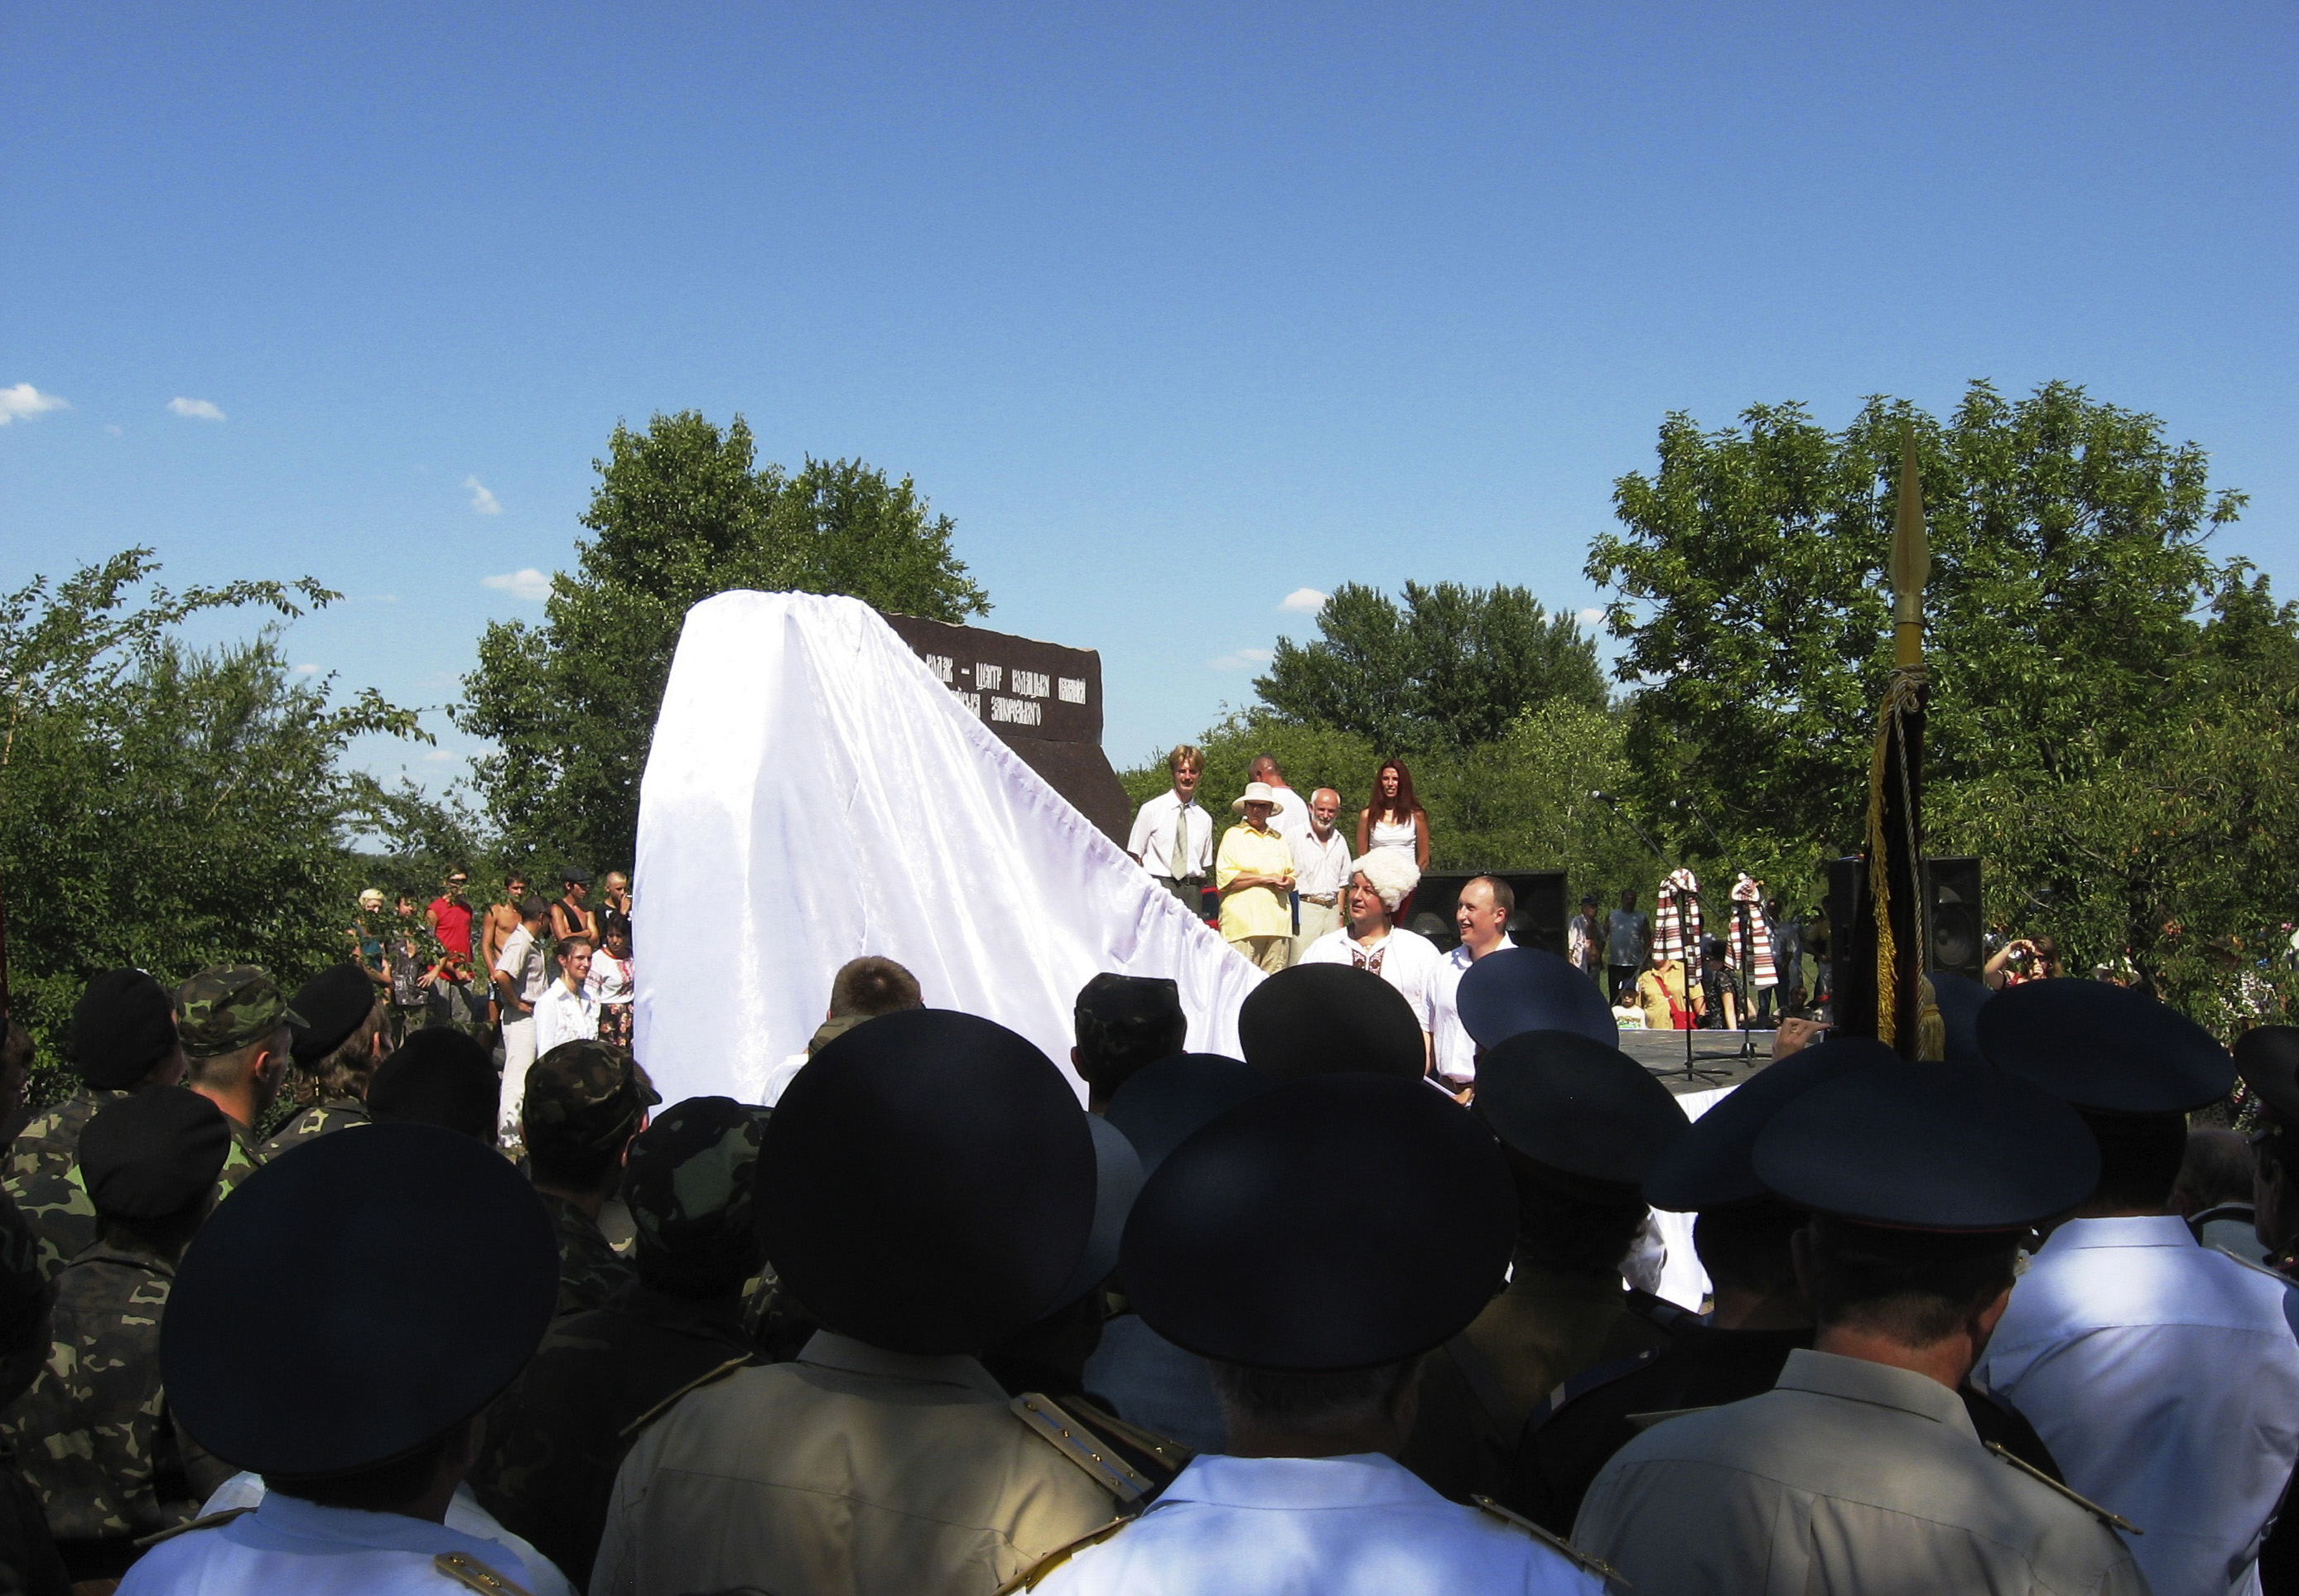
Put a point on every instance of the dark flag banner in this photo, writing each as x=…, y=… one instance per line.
x=1889, y=936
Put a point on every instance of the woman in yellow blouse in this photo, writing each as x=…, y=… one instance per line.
x=1254, y=872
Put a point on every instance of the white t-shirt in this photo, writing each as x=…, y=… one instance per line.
x=521, y=959
x=1456, y=1049
x=1406, y=959
x=1152, y=838
x=1291, y=819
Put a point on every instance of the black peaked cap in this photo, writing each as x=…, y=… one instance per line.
x=123, y=1025
x=152, y=1155
x=1943, y=1147
x=1514, y=990
x=2268, y=1056
x=1710, y=1165
x=1167, y=1102
x=332, y=1003
x=2104, y=1048
x=1336, y=1223
x=926, y=1182
x=355, y=1299
x=1577, y=1105
x=1325, y=1018
x=438, y=1077
x=1960, y=999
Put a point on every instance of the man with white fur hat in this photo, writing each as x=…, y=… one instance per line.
x=1374, y=940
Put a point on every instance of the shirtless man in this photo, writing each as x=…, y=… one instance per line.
x=502, y=920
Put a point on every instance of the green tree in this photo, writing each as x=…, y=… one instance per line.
x=1453, y=668
x=2094, y=669
x=164, y=806
x=682, y=511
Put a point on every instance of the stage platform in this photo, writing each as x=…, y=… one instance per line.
x=1662, y=1052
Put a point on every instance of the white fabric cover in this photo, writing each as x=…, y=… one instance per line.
x=813, y=794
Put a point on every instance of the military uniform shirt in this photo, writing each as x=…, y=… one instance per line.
x=93, y=1435
x=1849, y=1478
x=853, y=1470
x=289, y=1544
x=589, y=1271
x=2165, y=1378
x=314, y=1122
x=510, y=1552
x=1358, y=1526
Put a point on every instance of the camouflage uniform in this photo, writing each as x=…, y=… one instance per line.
x=42, y=1175
x=553, y=1442
x=28, y=1556
x=589, y=1272
x=93, y=1435
x=314, y=1122
x=583, y=1100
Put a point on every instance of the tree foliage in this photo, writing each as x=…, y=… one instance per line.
x=1453, y=668
x=681, y=512
x=2110, y=725
x=164, y=806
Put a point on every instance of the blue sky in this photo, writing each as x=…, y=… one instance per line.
x=1177, y=311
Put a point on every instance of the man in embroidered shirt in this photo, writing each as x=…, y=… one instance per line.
x=1373, y=940
x=1172, y=836
x=1321, y=872
x=1254, y=870
x=568, y=1011
x=1482, y=917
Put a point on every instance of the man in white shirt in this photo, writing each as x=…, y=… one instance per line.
x=520, y=977
x=1321, y=872
x=1291, y=819
x=1172, y=836
x=1373, y=940
x=570, y=1010
x=2163, y=1374
x=1482, y=917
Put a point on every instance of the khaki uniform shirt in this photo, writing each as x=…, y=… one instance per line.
x=1848, y=1479
x=850, y=1472
x=1543, y=1330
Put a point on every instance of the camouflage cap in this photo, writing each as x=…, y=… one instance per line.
x=688, y=1183
x=583, y=1098
x=226, y=1006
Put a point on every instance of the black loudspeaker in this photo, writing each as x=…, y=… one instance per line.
x=1538, y=921
x=1952, y=922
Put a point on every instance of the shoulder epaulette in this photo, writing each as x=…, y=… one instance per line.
x=696, y=1383
x=205, y=1521
x=467, y=1571
x=2112, y=1520
x=1556, y=1542
x=2278, y=1276
x=1671, y=1317
x=1645, y=1421
x=1588, y=1380
x=1029, y=1577
x=1082, y=1447
x=1164, y=1447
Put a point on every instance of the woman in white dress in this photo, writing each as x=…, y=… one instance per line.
x=1395, y=818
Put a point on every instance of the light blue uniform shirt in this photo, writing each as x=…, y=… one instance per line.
x=291, y=1545
x=2164, y=1376
x=1360, y=1525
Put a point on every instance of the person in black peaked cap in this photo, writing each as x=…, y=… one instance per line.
x=1321, y=1018
x=1745, y=1237
x=96, y=1435
x=439, y=1077
x=122, y=1039
x=1146, y=1379
x=2268, y=1058
x=408, y=1254
x=336, y=1052
x=2163, y=1374
x=1581, y=1122
x=1860, y=1471
x=1516, y=990
x=1311, y=1245
x=925, y=1187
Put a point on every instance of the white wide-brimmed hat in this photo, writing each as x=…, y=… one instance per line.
x=1256, y=792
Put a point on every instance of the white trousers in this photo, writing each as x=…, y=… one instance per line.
x=518, y=1053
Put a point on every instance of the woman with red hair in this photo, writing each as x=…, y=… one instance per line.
x=1395, y=818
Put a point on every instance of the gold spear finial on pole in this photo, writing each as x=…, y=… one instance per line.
x=1911, y=561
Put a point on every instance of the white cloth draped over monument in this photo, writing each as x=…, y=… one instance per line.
x=814, y=793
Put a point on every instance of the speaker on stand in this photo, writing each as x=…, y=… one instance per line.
x=1952, y=922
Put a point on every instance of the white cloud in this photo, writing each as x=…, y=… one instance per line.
x=1302, y=600
x=307, y=670
x=26, y=401
x=194, y=410
x=1240, y=659
x=482, y=500
x=438, y=756
x=1590, y=617
x=528, y=583
x=112, y=428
